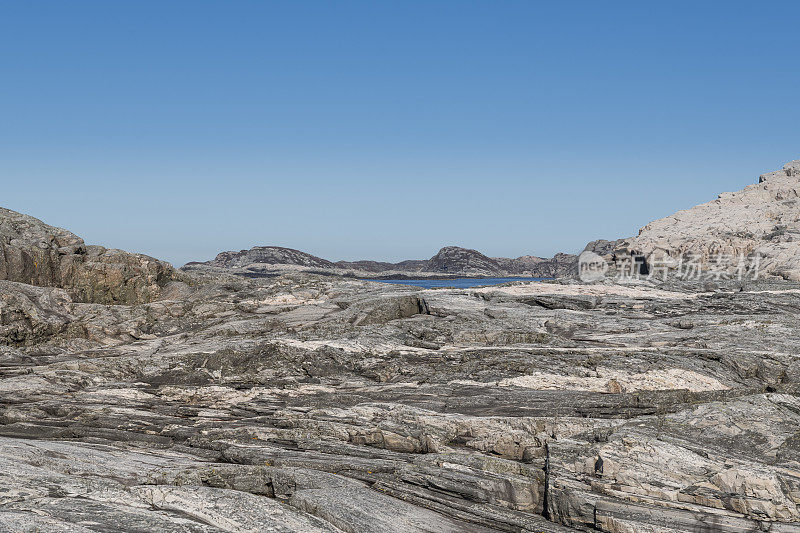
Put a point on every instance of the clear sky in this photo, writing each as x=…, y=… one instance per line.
x=386, y=130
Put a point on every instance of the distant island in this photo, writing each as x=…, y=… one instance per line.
x=450, y=261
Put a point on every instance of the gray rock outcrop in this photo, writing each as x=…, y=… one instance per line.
x=604, y=247
x=761, y=221
x=33, y=252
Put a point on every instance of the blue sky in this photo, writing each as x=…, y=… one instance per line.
x=386, y=129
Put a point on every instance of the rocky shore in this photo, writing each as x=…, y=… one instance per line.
x=134, y=397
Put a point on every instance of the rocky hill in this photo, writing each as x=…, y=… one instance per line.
x=450, y=261
x=34, y=253
x=271, y=255
x=455, y=260
x=762, y=220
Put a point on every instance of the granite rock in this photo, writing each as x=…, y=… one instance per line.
x=761, y=222
x=34, y=253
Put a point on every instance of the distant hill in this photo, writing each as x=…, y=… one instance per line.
x=455, y=260
x=273, y=255
x=449, y=261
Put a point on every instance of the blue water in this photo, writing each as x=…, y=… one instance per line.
x=458, y=283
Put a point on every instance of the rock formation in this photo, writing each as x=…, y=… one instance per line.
x=455, y=260
x=34, y=253
x=272, y=255
x=305, y=403
x=762, y=220
x=560, y=265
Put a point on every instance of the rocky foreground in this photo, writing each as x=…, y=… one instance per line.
x=307, y=403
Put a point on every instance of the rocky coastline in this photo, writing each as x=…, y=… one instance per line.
x=138, y=397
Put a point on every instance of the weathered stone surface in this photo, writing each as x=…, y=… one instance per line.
x=762, y=220
x=318, y=403
x=34, y=253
